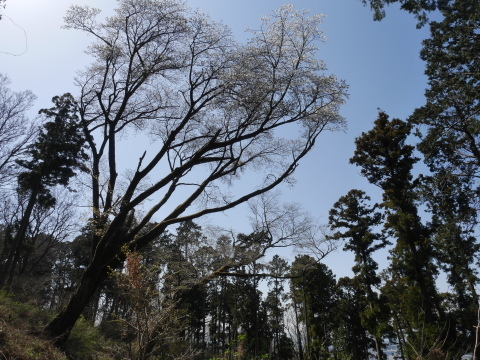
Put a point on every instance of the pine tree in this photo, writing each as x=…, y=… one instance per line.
x=387, y=161
x=353, y=221
x=276, y=297
x=312, y=290
x=350, y=337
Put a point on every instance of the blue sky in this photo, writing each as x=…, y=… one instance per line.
x=379, y=60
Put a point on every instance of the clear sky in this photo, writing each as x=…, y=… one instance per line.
x=379, y=60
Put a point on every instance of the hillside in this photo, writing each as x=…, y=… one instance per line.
x=21, y=337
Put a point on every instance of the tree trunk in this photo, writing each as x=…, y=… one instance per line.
x=377, y=340
x=378, y=349
x=59, y=328
x=308, y=349
x=299, y=336
x=7, y=277
x=400, y=337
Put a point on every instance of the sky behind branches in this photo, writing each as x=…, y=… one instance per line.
x=379, y=60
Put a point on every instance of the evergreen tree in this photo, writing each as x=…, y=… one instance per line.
x=451, y=113
x=312, y=290
x=53, y=159
x=350, y=337
x=387, y=161
x=353, y=221
x=448, y=126
x=276, y=297
x=451, y=202
x=451, y=146
x=420, y=8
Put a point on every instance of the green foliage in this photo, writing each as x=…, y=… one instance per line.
x=353, y=222
x=312, y=289
x=449, y=131
x=419, y=8
x=85, y=341
x=58, y=150
x=275, y=305
x=236, y=351
x=387, y=161
x=385, y=158
x=50, y=161
x=20, y=331
x=350, y=338
x=19, y=312
x=21, y=336
x=451, y=113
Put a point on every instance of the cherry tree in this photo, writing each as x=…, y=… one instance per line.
x=216, y=112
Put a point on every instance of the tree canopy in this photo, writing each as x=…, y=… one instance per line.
x=215, y=111
x=420, y=8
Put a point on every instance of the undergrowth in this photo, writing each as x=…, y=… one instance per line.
x=21, y=338
x=21, y=327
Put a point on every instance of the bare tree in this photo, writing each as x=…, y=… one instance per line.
x=217, y=111
x=16, y=133
x=48, y=229
x=16, y=130
x=287, y=225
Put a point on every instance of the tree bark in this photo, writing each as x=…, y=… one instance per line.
x=7, y=278
x=60, y=327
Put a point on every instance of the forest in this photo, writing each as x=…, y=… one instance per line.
x=132, y=273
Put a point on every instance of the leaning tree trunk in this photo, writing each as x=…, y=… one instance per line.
x=60, y=327
x=106, y=257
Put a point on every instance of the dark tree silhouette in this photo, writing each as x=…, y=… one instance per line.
x=52, y=160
